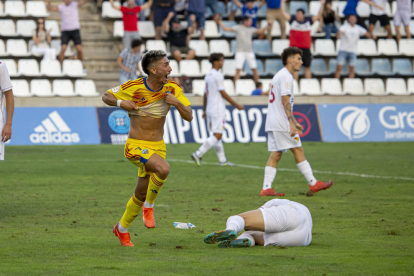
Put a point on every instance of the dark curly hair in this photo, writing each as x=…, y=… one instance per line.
x=150, y=57
x=288, y=52
x=215, y=57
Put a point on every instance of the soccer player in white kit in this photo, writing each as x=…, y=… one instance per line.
x=282, y=128
x=6, y=96
x=215, y=111
x=278, y=222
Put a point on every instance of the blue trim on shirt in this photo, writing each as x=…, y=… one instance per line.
x=146, y=86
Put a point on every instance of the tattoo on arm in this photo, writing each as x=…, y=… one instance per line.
x=288, y=109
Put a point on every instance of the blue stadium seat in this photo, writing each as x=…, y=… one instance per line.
x=318, y=68
x=262, y=12
x=402, y=67
x=362, y=68
x=295, y=5
x=382, y=67
x=228, y=24
x=273, y=66
x=222, y=9
x=332, y=67
x=262, y=48
x=260, y=69
x=233, y=46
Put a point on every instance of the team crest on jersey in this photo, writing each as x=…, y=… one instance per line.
x=287, y=85
x=115, y=89
x=145, y=151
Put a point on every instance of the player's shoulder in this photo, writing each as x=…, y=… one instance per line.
x=284, y=75
x=133, y=83
x=171, y=83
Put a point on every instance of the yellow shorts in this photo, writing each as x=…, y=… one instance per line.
x=138, y=152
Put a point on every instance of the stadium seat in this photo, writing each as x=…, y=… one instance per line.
x=229, y=87
x=53, y=24
x=325, y=47
x=245, y=87
x=205, y=66
x=260, y=69
x=318, y=68
x=406, y=47
x=367, y=47
x=7, y=27
x=220, y=46
x=402, y=29
x=1, y=9
x=25, y=27
x=63, y=88
x=387, y=47
x=362, y=68
x=41, y=88
x=374, y=87
x=86, y=88
x=36, y=9
x=273, y=66
x=314, y=7
x=310, y=87
x=278, y=45
x=73, y=68
x=198, y=87
x=262, y=12
x=295, y=5
x=382, y=67
x=276, y=32
x=211, y=30
x=175, y=70
x=396, y=86
x=228, y=24
x=51, y=68
x=14, y=8
x=393, y=7
x=118, y=29
x=28, y=67
x=2, y=48
x=339, y=6
x=379, y=31
x=156, y=45
x=21, y=88
x=11, y=67
x=363, y=9
x=332, y=87
x=190, y=68
x=17, y=47
x=109, y=12
x=200, y=47
x=146, y=29
x=402, y=67
x=262, y=48
x=387, y=9
x=229, y=67
x=353, y=86
x=411, y=86
x=333, y=64
x=56, y=44
x=265, y=84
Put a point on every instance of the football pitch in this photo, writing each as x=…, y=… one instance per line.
x=58, y=205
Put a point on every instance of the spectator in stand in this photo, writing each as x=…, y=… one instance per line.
x=349, y=35
x=244, y=52
x=128, y=60
x=350, y=9
x=41, y=39
x=141, y=14
x=403, y=14
x=250, y=9
x=214, y=7
x=258, y=91
x=300, y=34
x=378, y=13
x=195, y=12
x=181, y=7
x=178, y=38
x=130, y=19
x=274, y=12
x=328, y=20
x=161, y=10
x=233, y=8
x=69, y=25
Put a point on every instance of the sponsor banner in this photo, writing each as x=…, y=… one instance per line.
x=367, y=122
x=241, y=126
x=55, y=126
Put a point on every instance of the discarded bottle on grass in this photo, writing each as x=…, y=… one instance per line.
x=183, y=225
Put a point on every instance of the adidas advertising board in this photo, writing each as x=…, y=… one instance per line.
x=55, y=126
x=367, y=122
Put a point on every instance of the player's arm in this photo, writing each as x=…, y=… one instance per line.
x=224, y=27
x=146, y=5
x=113, y=5
x=111, y=100
x=373, y=4
x=119, y=62
x=317, y=17
x=262, y=30
x=50, y=7
x=83, y=2
x=166, y=23
x=238, y=4
x=185, y=111
x=283, y=9
x=7, y=129
x=294, y=127
x=230, y=100
x=262, y=2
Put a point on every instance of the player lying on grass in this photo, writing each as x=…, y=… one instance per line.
x=278, y=222
x=147, y=101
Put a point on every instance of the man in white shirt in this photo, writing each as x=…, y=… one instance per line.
x=6, y=96
x=349, y=34
x=215, y=111
x=378, y=13
x=282, y=128
x=278, y=222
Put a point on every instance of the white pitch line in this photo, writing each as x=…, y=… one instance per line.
x=295, y=170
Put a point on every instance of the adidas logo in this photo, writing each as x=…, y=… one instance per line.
x=143, y=99
x=52, y=130
x=154, y=191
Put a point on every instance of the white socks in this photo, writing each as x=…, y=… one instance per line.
x=235, y=223
x=211, y=141
x=306, y=170
x=148, y=205
x=122, y=229
x=270, y=174
x=247, y=236
x=220, y=151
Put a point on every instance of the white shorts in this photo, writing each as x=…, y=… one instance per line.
x=241, y=57
x=282, y=141
x=402, y=16
x=287, y=225
x=216, y=123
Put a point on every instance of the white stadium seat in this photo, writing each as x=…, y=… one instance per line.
x=73, y=68
x=353, y=86
x=53, y=24
x=21, y=88
x=25, y=27
x=36, y=9
x=229, y=87
x=310, y=87
x=332, y=87
x=387, y=47
x=17, y=47
x=339, y=6
x=198, y=87
x=146, y=29
x=175, y=70
x=245, y=87
x=220, y=46
x=314, y=7
x=156, y=45
x=229, y=67
x=211, y=29
x=63, y=88
x=41, y=88
x=205, y=66
x=28, y=67
x=50, y=68
x=276, y=32
x=7, y=27
x=190, y=68
x=411, y=86
x=118, y=29
x=14, y=8
x=367, y=47
x=406, y=47
x=200, y=47
x=2, y=48
x=374, y=86
x=379, y=31
x=363, y=9
x=56, y=44
x=396, y=86
x=86, y=88
x=265, y=84
x=278, y=45
x=325, y=47
x=11, y=67
x=109, y=12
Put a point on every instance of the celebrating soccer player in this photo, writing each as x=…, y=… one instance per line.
x=215, y=111
x=282, y=128
x=147, y=101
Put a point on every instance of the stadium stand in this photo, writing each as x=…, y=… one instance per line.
x=41, y=88
x=20, y=88
x=353, y=87
x=63, y=88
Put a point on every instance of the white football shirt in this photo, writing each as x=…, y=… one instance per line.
x=282, y=85
x=349, y=37
x=214, y=84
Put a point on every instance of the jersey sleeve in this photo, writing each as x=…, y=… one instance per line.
x=5, y=82
x=180, y=95
x=286, y=85
x=121, y=93
x=361, y=30
x=342, y=28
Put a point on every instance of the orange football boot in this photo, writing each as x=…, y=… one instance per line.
x=320, y=185
x=148, y=217
x=124, y=238
x=270, y=192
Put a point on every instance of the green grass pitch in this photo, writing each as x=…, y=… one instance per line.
x=58, y=206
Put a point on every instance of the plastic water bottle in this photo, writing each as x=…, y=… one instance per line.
x=183, y=225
